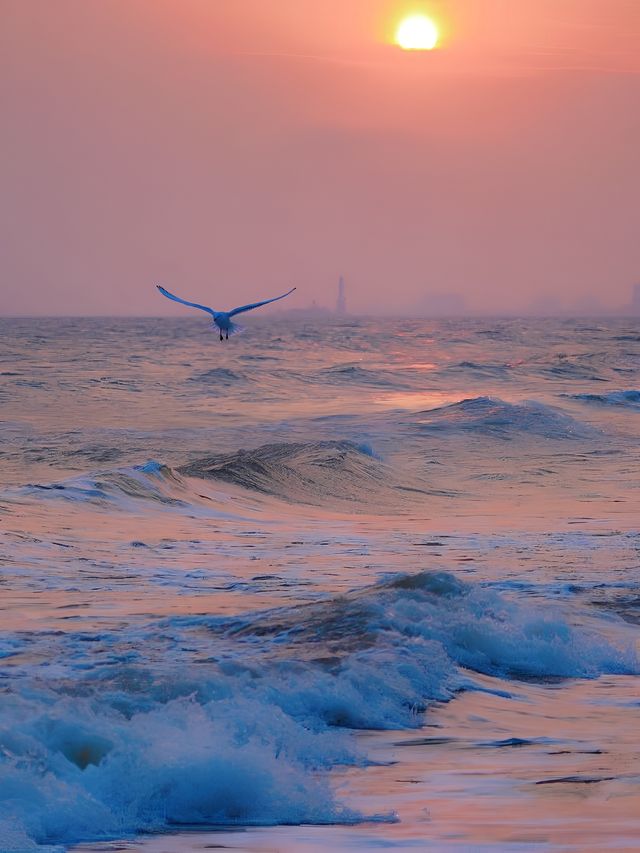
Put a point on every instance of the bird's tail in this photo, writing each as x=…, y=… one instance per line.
x=235, y=329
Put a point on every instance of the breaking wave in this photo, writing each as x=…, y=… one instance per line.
x=239, y=719
x=152, y=481
x=339, y=473
x=494, y=417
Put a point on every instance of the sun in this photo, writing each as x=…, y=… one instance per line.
x=417, y=32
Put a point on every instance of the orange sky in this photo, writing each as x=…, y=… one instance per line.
x=230, y=148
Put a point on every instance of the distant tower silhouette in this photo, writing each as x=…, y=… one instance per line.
x=635, y=299
x=341, y=301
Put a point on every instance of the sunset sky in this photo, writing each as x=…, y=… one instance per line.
x=230, y=149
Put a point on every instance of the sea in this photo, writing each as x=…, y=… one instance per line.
x=337, y=583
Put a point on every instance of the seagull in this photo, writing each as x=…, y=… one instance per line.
x=222, y=319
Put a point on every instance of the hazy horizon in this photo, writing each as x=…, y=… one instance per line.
x=623, y=312
x=230, y=151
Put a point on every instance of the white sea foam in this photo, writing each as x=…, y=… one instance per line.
x=243, y=723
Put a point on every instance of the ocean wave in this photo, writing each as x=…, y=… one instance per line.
x=338, y=474
x=478, y=628
x=239, y=719
x=354, y=374
x=586, y=367
x=624, y=399
x=494, y=417
x=151, y=481
x=323, y=472
x=480, y=369
x=221, y=376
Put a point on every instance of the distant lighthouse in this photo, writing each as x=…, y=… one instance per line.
x=341, y=301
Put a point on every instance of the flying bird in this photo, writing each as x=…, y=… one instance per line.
x=222, y=319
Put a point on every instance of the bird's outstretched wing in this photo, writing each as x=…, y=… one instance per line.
x=184, y=301
x=257, y=304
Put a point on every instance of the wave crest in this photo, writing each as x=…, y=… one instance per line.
x=499, y=419
x=152, y=481
x=621, y=399
x=226, y=725
x=331, y=472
